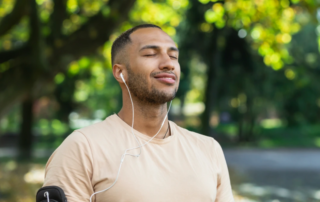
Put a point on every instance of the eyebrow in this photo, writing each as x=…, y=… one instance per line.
x=157, y=47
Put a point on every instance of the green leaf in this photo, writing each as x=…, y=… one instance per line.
x=210, y=16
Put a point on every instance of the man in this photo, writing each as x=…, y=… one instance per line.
x=177, y=165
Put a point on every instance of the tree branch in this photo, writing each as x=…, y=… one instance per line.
x=36, y=42
x=35, y=33
x=12, y=54
x=85, y=41
x=14, y=16
x=57, y=17
x=94, y=33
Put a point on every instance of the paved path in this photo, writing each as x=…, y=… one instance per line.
x=12, y=152
x=275, y=175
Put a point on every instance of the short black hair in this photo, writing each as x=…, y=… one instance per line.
x=124, y=39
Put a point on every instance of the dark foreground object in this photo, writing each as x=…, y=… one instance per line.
x=51, y=194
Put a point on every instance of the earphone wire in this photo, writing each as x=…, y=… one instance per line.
x=140, y=146
x=132, y=120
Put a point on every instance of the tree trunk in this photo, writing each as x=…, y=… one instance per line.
x=25, y=136
x=212, y=81
x=208, y=101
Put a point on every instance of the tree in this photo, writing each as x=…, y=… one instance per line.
x=232, y=33
x=32, y=65
x=45, y=42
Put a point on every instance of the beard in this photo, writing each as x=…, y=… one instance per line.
x=138, y=86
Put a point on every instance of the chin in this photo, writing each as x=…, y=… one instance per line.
x=170, y=94
x=161, y=95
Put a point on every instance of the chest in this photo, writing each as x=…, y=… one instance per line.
x=159, y=174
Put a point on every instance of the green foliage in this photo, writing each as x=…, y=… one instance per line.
x=229, y=38
x=85, y=84
x=221, y=44
x=270, y=24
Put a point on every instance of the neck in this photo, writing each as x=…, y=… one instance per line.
x=147, y=117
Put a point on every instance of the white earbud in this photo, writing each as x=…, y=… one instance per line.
x=121, y=75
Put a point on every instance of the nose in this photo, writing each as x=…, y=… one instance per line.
x=166, y=62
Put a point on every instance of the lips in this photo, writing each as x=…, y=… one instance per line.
x=166, y=78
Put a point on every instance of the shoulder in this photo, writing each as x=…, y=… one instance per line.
x=98, y=129
x=201, y=140
x=206, y=145
x=75, y=139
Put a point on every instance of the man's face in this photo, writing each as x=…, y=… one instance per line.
x=153, y=70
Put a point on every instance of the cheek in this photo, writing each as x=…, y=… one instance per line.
x=178, y=71
x=146, y=65
x=142, y=68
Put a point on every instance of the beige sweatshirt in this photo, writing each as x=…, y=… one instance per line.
x=184, y=167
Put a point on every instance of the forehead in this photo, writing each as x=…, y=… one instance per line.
x=151, y=36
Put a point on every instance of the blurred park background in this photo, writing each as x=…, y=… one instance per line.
x=250, y=79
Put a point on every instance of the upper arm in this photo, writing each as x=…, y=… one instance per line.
x=70, y=167
x=224, y=190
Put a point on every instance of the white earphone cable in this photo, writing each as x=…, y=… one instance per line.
x=132, y=120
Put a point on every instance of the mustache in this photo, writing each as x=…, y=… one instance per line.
x=166, y=72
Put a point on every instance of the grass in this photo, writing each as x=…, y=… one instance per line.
x=15, y=181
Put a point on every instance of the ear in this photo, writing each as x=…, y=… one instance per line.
x=117, y=69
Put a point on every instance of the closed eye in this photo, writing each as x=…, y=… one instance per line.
x=173, y=57
x=150, y=55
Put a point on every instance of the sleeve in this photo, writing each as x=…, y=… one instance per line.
x=70, y=167
x=224, y=190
